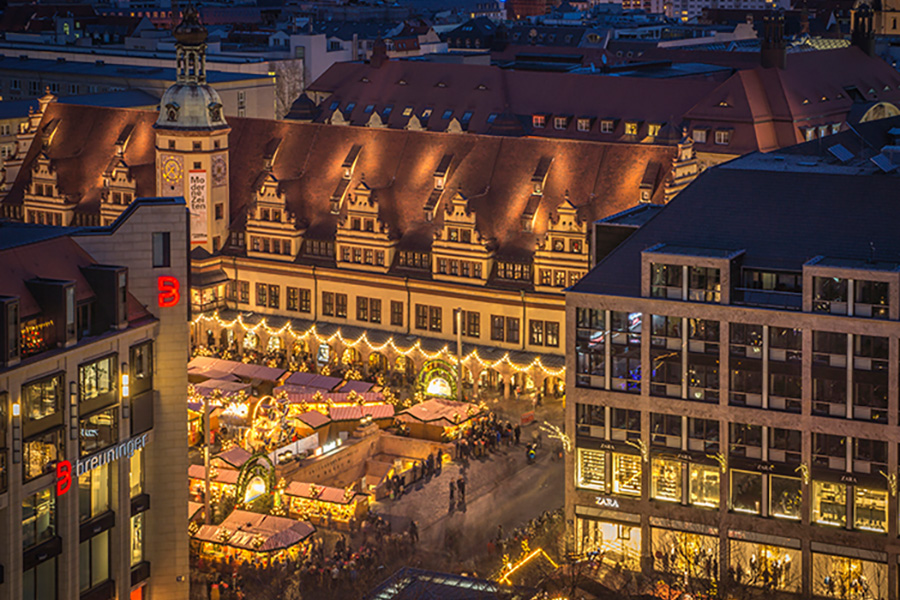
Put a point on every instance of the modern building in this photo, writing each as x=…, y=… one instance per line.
x=93, y=445
x=732, y=378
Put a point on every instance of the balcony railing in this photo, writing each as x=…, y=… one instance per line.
x=770, y=298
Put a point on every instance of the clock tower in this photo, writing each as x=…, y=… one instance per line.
x=192, y=139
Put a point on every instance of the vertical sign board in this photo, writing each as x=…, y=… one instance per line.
x=198, y=206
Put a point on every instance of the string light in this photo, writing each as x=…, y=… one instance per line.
x=312, y=332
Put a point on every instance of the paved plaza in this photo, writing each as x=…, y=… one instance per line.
x=501, y=489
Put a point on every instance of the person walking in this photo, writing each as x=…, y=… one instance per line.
x=413, y=532
x=518, y=433
x=461, y=485
x=452, y=495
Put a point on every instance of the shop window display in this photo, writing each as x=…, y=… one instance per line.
x=785, y=497
x=746, y=492
x=38, y=517
x=768, y=567
x=692, y=556
x=616, y=543
x=666, y=480
x=705, y=486
x=829, y=502
x=41, y=453
x=591, y=469
x=849, y=578
x=627, y=474
x=870, y=509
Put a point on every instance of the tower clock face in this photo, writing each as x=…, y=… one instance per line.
x=219, y=170
x=171, y=169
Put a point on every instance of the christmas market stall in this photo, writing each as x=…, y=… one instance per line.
x=331, y=507
x=222, y=481
x=261, y=379
x=251, y=538
x=439, y=419
x=195, y=421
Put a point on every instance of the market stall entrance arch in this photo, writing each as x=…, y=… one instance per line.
x=256, y=478
x=438, y=378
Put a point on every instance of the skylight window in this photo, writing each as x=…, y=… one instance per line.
x=387, y=110
x=335, y=104
x=369, y=108
x=407, y=111
x=467, y=116
x=491, y=117
x=447, y=114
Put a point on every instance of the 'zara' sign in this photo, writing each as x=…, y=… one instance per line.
x=607, y=502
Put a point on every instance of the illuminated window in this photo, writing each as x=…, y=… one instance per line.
x=607, y=126
x=626, y=474
x=631, y=127
x=746, y=491
x=870, y=509
x=829, y=503
x=538, y=121
x=784, y=497
x=723, y=137
x=704, y=485
x=590, y=469
x=666, y=480
x=584, y=124
x=560, y=122
x=699, y=136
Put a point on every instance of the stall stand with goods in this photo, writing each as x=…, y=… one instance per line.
x=221, y=482
x=439, y=419
x=331, y=507
x=195, y=421
x=251, y=538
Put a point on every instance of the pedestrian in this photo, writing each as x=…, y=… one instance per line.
x=413, y=532
x=461, y=485
x=452, y=491
x=518, y=433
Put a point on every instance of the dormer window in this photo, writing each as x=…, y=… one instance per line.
x=723, y=137
x=369, y=108
x=215, y=111
x=538, y=121
x=653, y=129
x=171, y=112
x=465, y=235
x=447, y=114
x=631, y=127
x=560, y=122
x=355, y=224
x=407, y=111
x=584, y=124
x=699, y=136
x=559, y=245
x=369, y=225
x=607, y=126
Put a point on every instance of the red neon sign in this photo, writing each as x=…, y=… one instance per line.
x=63, y=477
x=168, y=287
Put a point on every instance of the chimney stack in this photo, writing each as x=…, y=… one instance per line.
x=862, y=32
x=773, y=49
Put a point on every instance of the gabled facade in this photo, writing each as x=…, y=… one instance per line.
x=562, y=256
x=459, y=250
x=363, y=241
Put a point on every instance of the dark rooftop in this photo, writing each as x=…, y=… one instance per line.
x=782, y=209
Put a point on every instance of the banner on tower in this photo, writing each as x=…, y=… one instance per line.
x=198, y=206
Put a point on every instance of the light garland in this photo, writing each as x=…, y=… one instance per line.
x=364, y=339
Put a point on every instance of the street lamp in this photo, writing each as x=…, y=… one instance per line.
x=459, y=377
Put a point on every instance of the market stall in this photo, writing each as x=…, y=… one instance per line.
x=439, y=419
x=247, y=537
x=328, y=506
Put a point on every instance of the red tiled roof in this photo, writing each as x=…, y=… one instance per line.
x=493, y=173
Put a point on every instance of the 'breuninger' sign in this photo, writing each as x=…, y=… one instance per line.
x=87, y=464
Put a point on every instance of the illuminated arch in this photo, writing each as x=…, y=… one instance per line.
x=882, y=110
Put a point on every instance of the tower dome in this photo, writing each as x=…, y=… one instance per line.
x=190, y=103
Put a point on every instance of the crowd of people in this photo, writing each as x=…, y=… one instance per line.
x=398, y=483
x=376, y=551
x=487, y=435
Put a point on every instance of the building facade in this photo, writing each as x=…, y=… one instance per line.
x=93, y=445
x=733, y=396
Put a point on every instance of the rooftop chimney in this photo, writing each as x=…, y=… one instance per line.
x=862, y=33
x=773, y=49
x=379, y=53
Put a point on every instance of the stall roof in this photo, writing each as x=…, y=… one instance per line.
x=235, y=455
x=193, y=509
x=328, y=494
x=347, y=413
x=313, y=380
x=255, y=532
x=440, y=412
x=355, y=386
x=205, y=365
x=314, y=418
x=337, y=397
x=219, y=475
x=228, y=387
